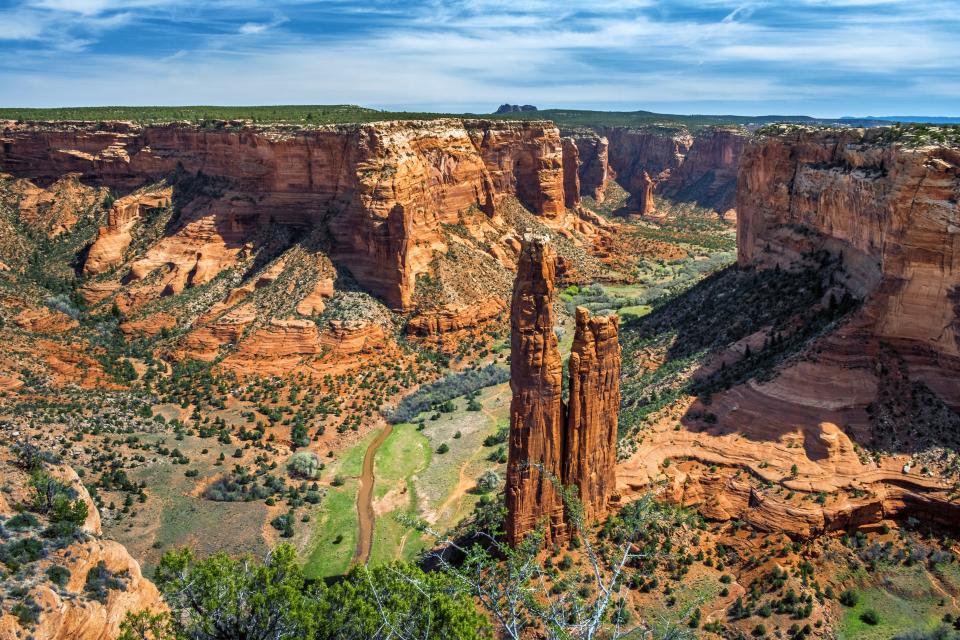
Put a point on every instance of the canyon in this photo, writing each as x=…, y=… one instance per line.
x=196, y=304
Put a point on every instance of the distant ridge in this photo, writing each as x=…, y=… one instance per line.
x=314, y=115
x=917, y=119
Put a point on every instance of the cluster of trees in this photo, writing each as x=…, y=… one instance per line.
x=446, y=389
x=220, y=598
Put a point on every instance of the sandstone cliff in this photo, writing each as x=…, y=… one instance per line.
x=590, y=450
x=890, y=211
x=380, y=190
x=535, y=462
x=698, y=167
x=594, y=171
x=860, y=413
x=79, y=587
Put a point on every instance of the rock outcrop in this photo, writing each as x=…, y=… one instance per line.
x=454, y=318
x=551, y=443
x=113, y=239
x=381, y=189
x=860, y=414
x=71, y=609
x=535, y=463
x=590, y=451
x=571, y=173
x=594, y=166
x=644, y=196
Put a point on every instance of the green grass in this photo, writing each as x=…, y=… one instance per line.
x=337, y=515
x=636, y=311
x=897, y=614
x=186, y=520
x=404, y=454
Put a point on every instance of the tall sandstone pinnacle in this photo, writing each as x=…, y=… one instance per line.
x=591, y=433
x=548, y=443
x=536, y=411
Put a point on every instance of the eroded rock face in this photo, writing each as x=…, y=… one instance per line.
x=453, y=318
x=590, y=452
x=381, y=189
x=890, y=211
x=571, y=173
x=594, y=168
x=884, y=378
x=535, y=461
x=115, y=237
x=69, y=611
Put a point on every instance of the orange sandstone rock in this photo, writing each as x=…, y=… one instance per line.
x=590, y=452
x=381, y=189
x=114, y=239
x=455, y=318
x=535, y=461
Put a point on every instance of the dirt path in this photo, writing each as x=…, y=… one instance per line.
x=365, y=499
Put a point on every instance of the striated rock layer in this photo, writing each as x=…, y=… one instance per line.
x=535, y=462
x=381, y=190
x=551, y=443
x=590, y=451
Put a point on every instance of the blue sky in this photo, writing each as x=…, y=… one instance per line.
x=816, y=57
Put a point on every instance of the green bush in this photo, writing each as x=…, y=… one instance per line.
x=871, y=617
x=305, y=464
x=849, y=598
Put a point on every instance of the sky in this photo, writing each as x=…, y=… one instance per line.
x=825, y=58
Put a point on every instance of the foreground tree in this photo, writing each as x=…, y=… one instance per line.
x=220, y=598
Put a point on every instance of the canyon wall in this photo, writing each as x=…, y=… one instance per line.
x=890, y=210
x=380, y=190
x=594, y=170
x=551, y=442
x=697, y=167
x=860, y=414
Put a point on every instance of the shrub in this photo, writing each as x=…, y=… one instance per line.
x=446, y=389
x=487, y=482
x=849, y=598
x=871, y=617
x=443, y=448
x=498, y=438
x=100, y=580
x=58, y=575
x=305, y=464
x=21, y=521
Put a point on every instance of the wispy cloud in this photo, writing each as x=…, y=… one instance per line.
x=819, y=56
